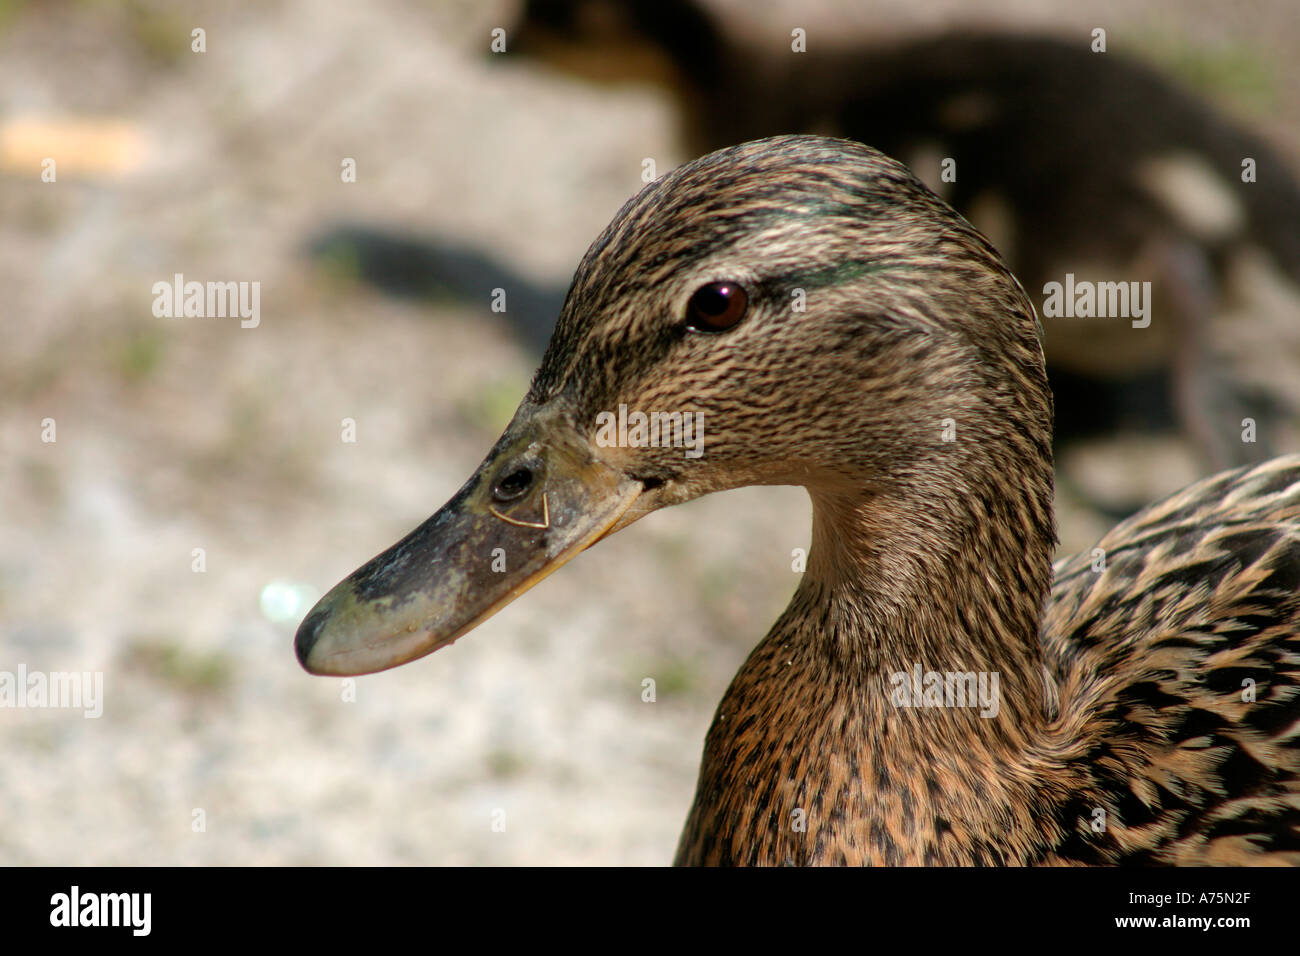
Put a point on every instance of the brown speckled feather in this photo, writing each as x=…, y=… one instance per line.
x=1179, y=665
x=1153, y=659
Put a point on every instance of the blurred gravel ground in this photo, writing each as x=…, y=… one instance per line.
x=183, y=434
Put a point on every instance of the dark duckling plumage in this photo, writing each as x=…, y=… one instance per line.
x=909, y=396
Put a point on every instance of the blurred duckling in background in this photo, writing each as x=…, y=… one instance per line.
x=1081, y=167
x=1144, y=709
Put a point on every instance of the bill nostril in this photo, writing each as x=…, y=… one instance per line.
x=514, y=484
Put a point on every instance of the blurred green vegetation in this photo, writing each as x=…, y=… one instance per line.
x=161, y=35
x=9, y=9
x=1228, y=71
x=504, y=764
x=140, y=354
x=184, y=669
x=491, y=406
x=339, y=264
x=673, y=676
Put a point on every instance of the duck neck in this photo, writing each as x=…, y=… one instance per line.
x=892, y=710
x=910, y=592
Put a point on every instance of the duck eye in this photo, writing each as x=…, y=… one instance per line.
x=716, y=307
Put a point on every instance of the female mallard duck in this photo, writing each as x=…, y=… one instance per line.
x=839, y=327
x=1073, y=162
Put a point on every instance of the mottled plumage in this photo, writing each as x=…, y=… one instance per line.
x=889, y=363
x=1184, y=655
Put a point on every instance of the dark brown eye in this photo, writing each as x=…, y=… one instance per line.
x=716, y=307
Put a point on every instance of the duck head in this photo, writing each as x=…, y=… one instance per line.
x=797, y=310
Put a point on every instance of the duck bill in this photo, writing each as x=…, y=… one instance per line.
x=475, y=556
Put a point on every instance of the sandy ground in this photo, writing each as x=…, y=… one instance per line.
x=177, y=435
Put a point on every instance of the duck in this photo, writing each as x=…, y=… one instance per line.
x=836, y=325
x=1075, y=161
